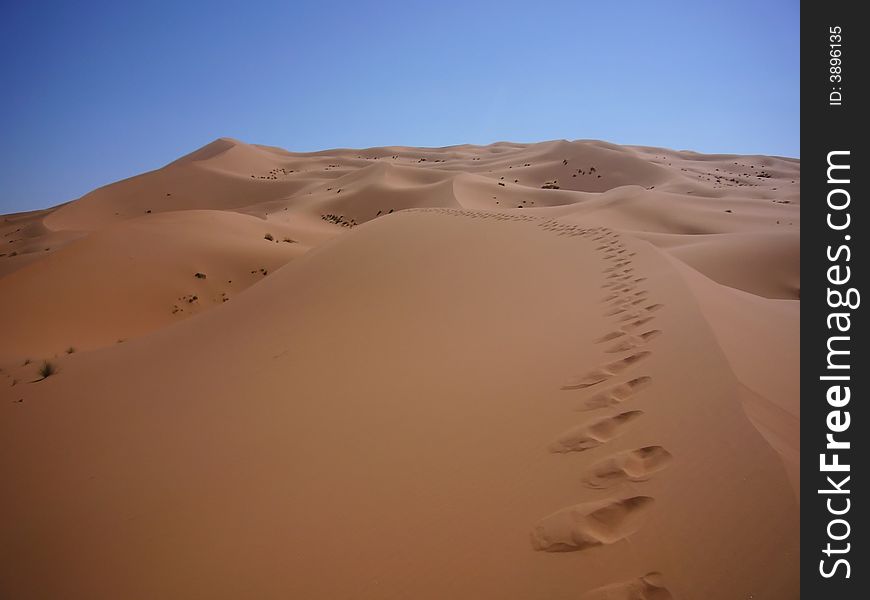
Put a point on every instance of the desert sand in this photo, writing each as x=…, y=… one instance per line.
x=556, y=370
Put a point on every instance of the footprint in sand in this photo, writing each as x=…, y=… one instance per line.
x=622, y=297
x=633, y=342
x=588, y=525
x=607, y=371
x=623, y=287
x=618, y=366
x=610, y=336
x=635, y=314
x=636, y=324
x=617, y=394
x=648, y=587
x=629, y=293
x=635, y=466
x=623, y=301
x=592, y=435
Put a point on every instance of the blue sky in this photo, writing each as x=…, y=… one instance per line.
x=93, y=92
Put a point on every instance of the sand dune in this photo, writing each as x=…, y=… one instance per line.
x=554, y=370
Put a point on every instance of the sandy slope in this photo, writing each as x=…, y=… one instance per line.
x=452, y=382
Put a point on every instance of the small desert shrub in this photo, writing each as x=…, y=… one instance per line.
x=199, y=275
x=70, y=350
x=47, y=370
x=269, y=237
x=26, y=361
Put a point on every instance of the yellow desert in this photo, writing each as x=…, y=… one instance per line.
x=557, y=370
